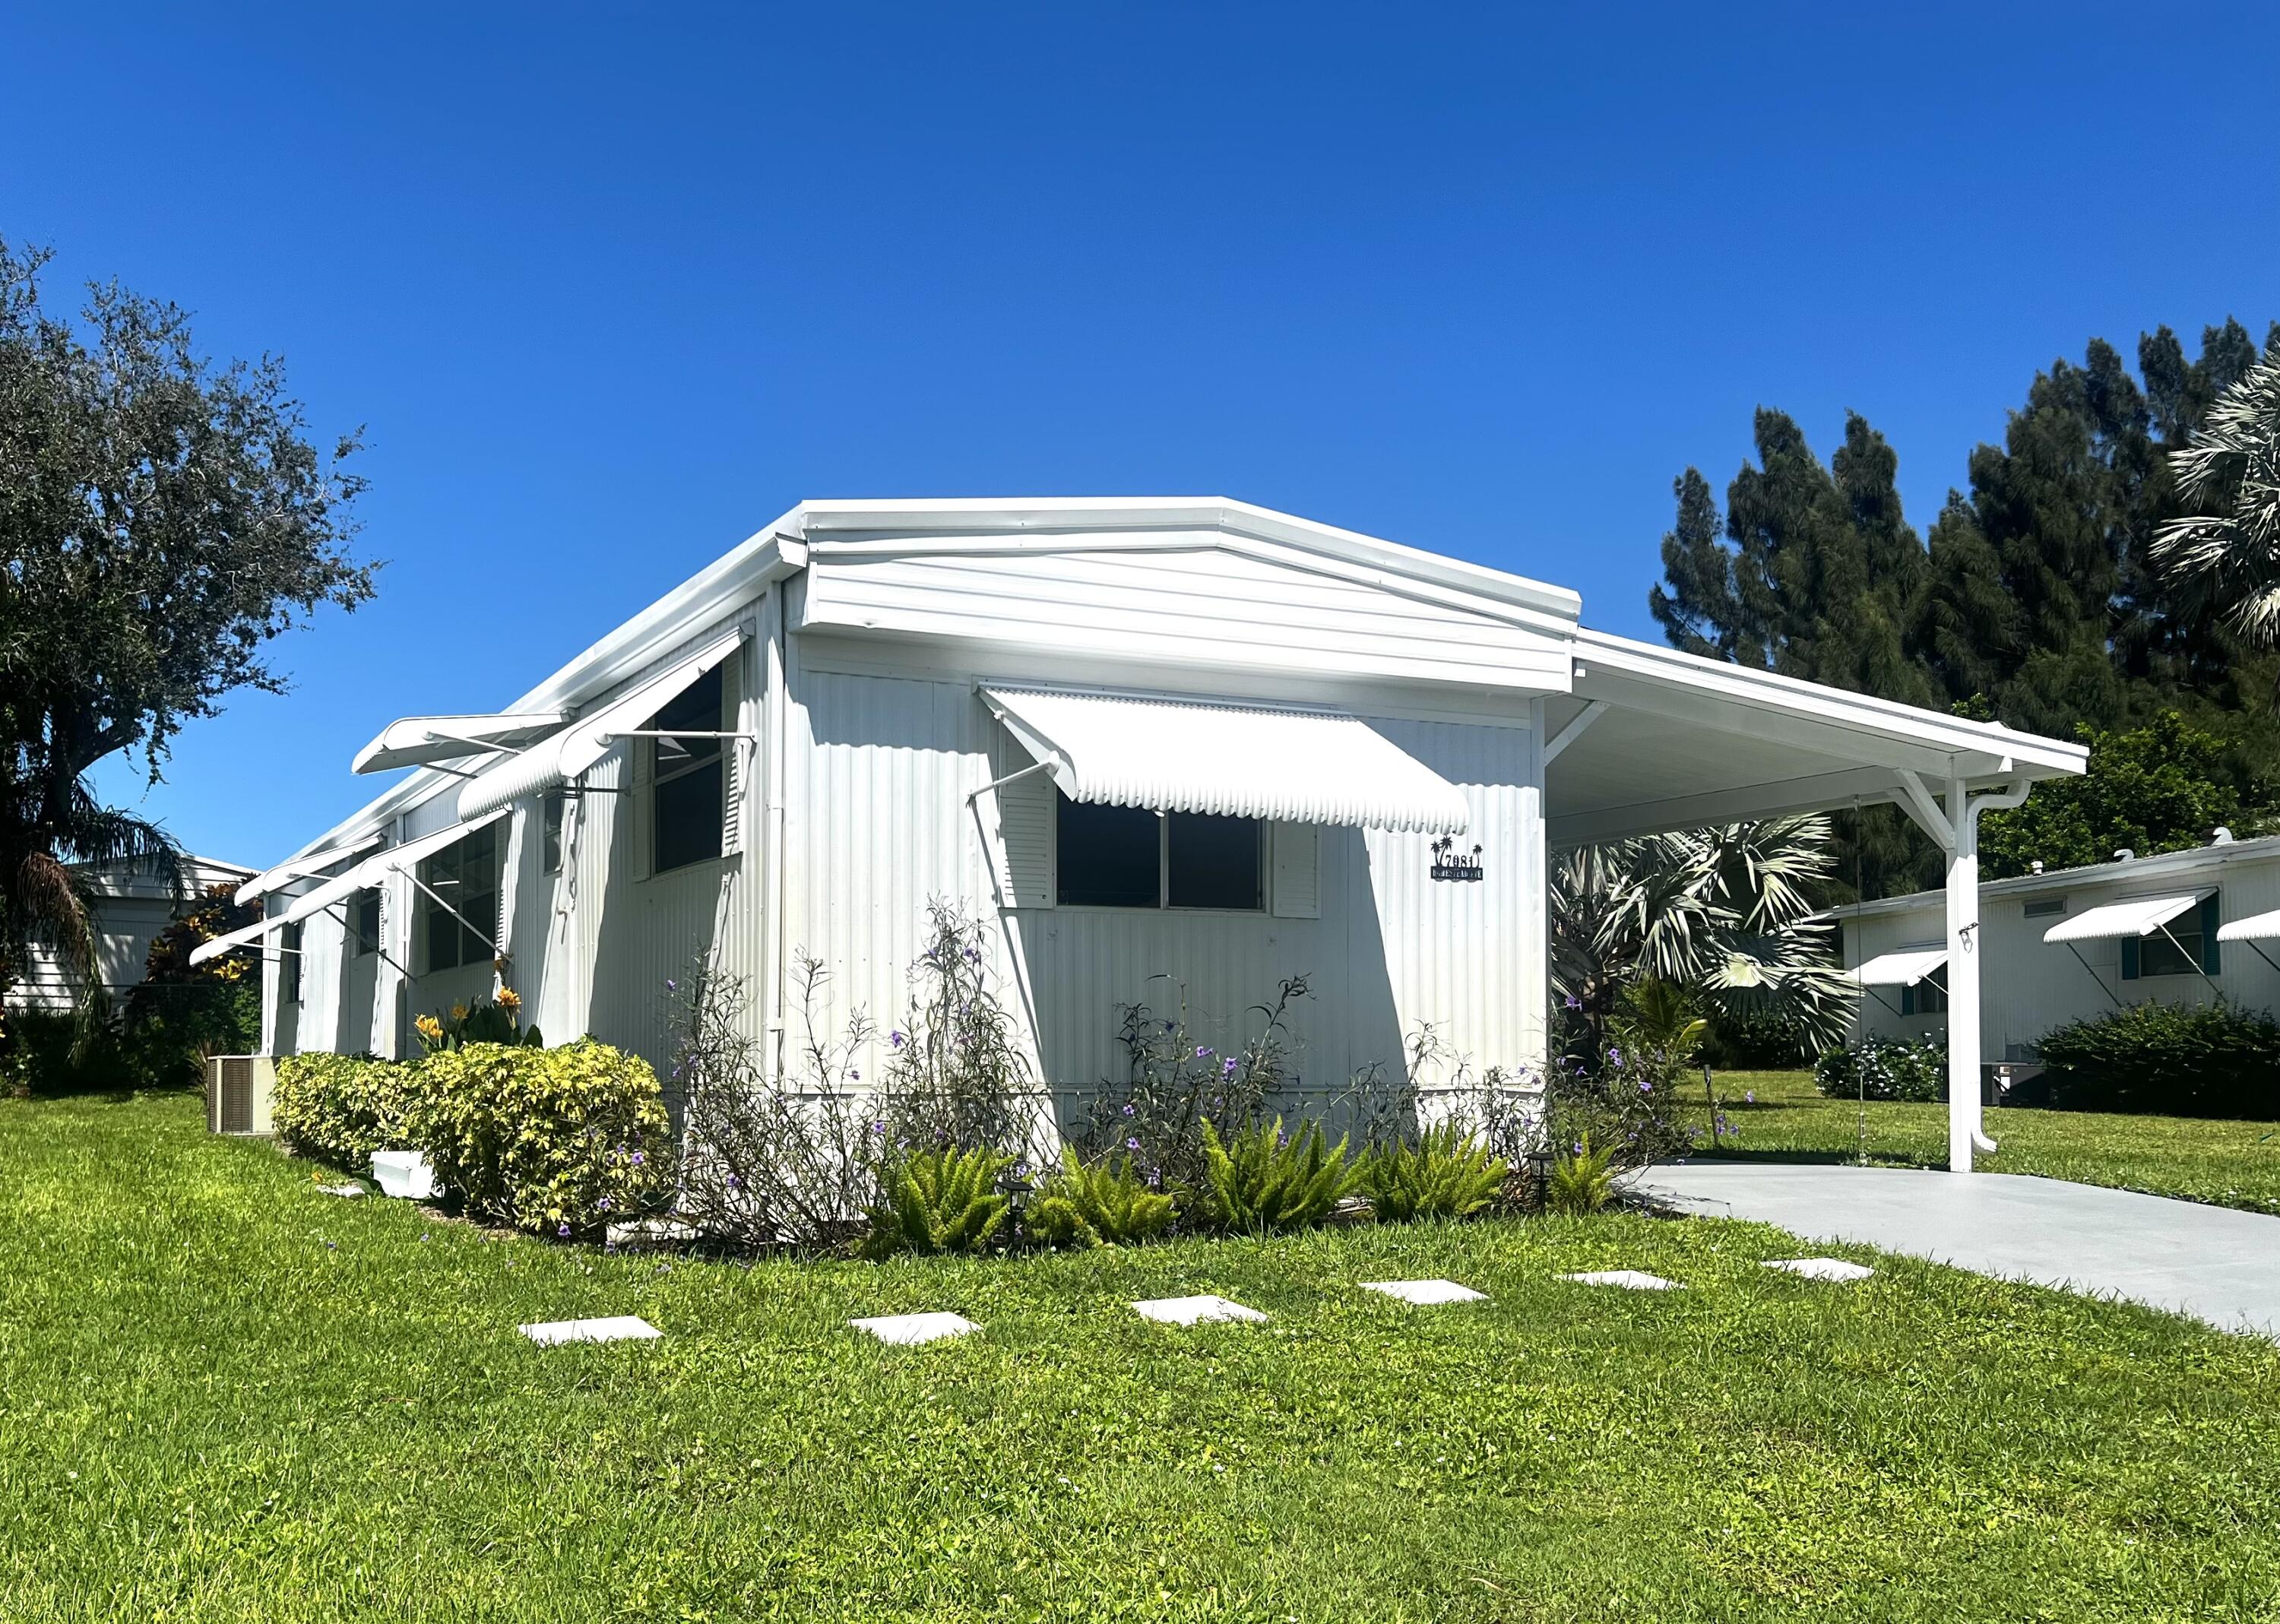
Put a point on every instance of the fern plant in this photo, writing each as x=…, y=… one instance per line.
x=1104, y=1204
x=939, y=1201
x=1444, y=1174
x=1263, y=1180
x=1581, y=1181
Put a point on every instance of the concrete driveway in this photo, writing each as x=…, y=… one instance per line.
x=2210, y=1262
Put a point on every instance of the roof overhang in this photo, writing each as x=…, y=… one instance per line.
x=1234, y=760
x=2136, y=916
x=1652, y=740
x=1905, y=968
x=416, y=741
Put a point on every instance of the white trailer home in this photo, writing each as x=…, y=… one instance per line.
x=1172, y=738
x=2182, y=927
x=130, y=910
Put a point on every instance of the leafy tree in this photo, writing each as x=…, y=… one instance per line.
x=2156, y=789
x=161, y=520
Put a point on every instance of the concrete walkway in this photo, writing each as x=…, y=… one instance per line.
x=2213, y=1263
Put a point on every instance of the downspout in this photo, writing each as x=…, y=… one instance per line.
x=773, y=710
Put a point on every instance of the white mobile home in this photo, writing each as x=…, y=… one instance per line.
x=130, y=910
x=2182, y=927
x=1140, y=739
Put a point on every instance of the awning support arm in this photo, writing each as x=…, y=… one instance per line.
x=2191, y=958
x=484, y=935
x=2260, y=952
x=1000, y=783
x=2093, y=975
x=339, y=911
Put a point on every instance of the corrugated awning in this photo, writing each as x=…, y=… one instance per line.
x=1905, y=968
x=301, y=868
x=414, y=741
x=2255, y=928
x=1237, y=761
x=2139, y=916
x=557, y=761
x=229, y=942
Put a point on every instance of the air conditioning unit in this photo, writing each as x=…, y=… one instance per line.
x=239, y=1088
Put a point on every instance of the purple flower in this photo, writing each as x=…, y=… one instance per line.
x=1021, y=1170
x=1131, y=1144
x=1202, y=1053
x=671, y=985
x=1128, y=1110
x=1229, y=1068
x=1171, y=1025
x=604, y=1204
x=1573, y=1002
x=1616, y=1059
x=895, y=1038
x=639, y=1158
x=1750, y=1097
x=563, y=1230
x=734, y=1183
x=856, y=1075
x=879, y=1127
x=1645, y=1086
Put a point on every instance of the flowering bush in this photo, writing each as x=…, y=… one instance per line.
x=1175, y=1089
x=955, y=1074
x=560, y=1141
x=1885, y=1068
x=341, y=1108
x=496, y=1020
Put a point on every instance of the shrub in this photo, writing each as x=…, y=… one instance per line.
x=940, y=1201
x=1885, y=1068
x=1175, y=1089
x=2198, y=1060
x=955, y=1074
x=1753, y=1040
x=1105, y=1204
x=790, y=1161
x=1267, y=1180
x=1581, y=1180
x=1446, y=1174
x=341, y=1108
x=560, y=1141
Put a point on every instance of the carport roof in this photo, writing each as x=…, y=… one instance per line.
x=1653, y=739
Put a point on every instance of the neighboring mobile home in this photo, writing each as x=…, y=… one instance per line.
x=130, y=911
x=2182, y=927
x=1152, y=745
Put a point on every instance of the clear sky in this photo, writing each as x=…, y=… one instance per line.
x=609, y=290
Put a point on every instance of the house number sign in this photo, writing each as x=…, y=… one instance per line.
x=1451, y=864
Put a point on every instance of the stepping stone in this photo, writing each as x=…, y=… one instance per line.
x=1425, y=1293
x=1194, y=1310
x=651, y=1232
x=340, y=1190
x=1629, y=1280
x=616, y=1327
x=1824, y=1268
x=909, y=1330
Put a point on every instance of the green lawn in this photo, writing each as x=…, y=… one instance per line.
x=224, y=1395
x=2228, y=1163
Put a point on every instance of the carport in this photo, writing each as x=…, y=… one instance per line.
x=1653, y=740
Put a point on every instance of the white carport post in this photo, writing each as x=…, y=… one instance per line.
x=1955, y=826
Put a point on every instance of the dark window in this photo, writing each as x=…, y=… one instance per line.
x=465, y=875
x=364, y=922
x=550, y=822
x=2158, y=955
x=1212, y=862
x=1109, y=857
x=288, y=969
x=1926, y=997
x=2044, y=907
x=1128, y=857
x=689, y=793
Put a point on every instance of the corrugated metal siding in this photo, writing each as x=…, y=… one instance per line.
x=1205, y=606
x=2029, y=985
x=879, y=824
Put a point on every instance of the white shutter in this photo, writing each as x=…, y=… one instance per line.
x=1025, y=828
x=1298, y=873
x=733, y=753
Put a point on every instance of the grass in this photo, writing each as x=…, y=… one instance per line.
x=224, y=1395
x=2226, y=1163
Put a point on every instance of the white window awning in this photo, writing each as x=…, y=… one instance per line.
x=229, y=942
x=1905, y=968
x=1235, y=760
x=555, y=762
x=302, y=867
x=2255, y=928
x=364, y=876
x=414, y=741
x=2139, y=916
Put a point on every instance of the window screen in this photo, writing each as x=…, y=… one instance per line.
x=550, y=826
x=288, y=971
x=1128, y=857
x=1212, y=862
x=364, y=922
x=465, y=875
x=689, y=791
x=1109, y=857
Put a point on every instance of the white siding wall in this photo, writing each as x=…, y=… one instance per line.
x=2029, y=986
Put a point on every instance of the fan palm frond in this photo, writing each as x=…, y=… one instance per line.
x=2226, y=558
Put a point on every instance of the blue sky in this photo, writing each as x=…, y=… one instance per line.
x=609, y=291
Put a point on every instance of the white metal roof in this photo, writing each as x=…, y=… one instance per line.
x=2168, y=869
x=557, y=761
x=412, y=740
x=302, y=867
x=1250, y=761
x=2255, y=928
x=1903, y=968
x=2138, y=916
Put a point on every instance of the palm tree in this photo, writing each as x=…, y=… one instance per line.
x=2227, y=557
x=1724, y=915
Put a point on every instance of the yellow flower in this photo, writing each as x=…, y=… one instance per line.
x=458, y=1011
x=509, y=998
x=429, y=1026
